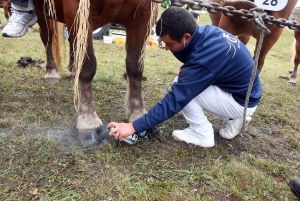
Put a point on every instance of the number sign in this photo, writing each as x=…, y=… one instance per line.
x=273, y=5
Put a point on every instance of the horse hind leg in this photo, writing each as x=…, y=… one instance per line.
x=292, y=81
x=6, y=8
x=71, y=66
x=296, y=56
x=47, y=34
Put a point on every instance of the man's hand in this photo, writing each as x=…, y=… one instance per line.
x=120, y=130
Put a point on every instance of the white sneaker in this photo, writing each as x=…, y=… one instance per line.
x=18, y=23
x=233, y=128
x=188, y=135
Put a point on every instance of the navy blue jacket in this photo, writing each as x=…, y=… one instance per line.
x=212, y=57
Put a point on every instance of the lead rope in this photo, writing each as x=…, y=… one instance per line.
x=257, y=23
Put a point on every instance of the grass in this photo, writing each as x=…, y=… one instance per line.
x=41, y=158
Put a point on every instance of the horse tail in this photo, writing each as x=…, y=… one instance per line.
x=81, y=25
x=57, y=41
x=151, y=23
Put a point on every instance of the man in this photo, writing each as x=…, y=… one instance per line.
x=214, y=77
x=21, y=18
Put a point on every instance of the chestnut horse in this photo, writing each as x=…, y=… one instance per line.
x=137, y=16
x=244, y=29
x=296, y=55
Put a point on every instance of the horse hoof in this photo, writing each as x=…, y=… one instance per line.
x=292, y=84
x=53, y=80
x=96, y=136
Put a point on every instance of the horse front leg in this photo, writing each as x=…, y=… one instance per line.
x=134, y=68
x=90, y=127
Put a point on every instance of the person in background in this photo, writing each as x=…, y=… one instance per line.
x=214, y=77
x=21, y=18
x=195, y=14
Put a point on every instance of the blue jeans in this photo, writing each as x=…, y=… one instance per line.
x=22, y=3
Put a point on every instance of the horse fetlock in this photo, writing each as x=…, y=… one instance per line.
x=134, y=108
x=87, y=121
x=135, y=115
x=52, y=76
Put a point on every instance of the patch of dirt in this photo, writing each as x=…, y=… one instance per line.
x=284, y=77
x=28, y=61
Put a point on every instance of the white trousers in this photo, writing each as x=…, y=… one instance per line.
x=29, y=7
x=216, y=102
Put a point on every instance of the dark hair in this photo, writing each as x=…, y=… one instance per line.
x=176, y=22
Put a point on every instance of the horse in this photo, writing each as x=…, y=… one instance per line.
x=244, y=29
x=296, y=55
x=81, y=18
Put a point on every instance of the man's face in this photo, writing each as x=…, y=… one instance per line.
x=173, y=45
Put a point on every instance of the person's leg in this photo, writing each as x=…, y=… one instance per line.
x=221, y=105
x=200, y=131
x=21, y=18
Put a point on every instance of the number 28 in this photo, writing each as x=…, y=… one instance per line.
x=273, y=2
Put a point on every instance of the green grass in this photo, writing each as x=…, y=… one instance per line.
x=41, y=158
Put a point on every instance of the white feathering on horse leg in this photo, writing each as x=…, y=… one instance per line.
x=52, y=76
x=88, y=122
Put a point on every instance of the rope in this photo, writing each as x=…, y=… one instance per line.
x=257, y=23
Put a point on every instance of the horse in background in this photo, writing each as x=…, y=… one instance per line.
x=296, y=55
x=81, y=18
x=244, y=29
x=6, y=5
